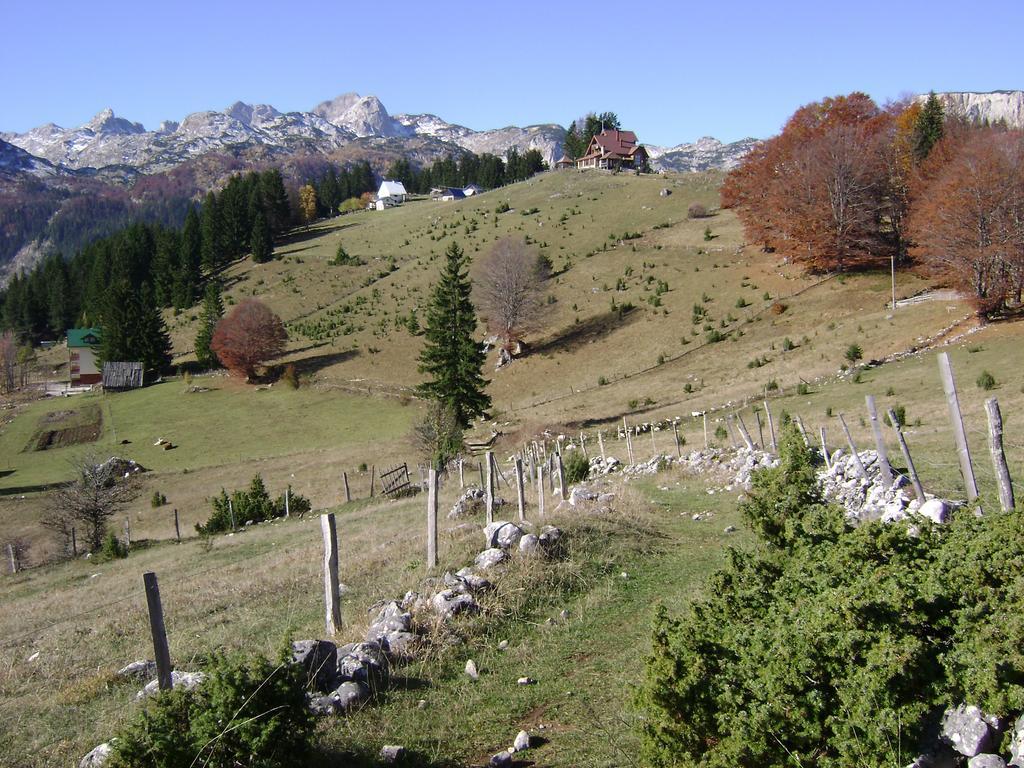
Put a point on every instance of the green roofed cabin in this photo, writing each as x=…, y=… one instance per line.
x=83, y=351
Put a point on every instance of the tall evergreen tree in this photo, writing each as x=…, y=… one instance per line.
x=153, y=341
x=275, y=200
x=190, y=257
x=212, y=235
x=133, y=328
x=213, y=311
x=451, y=356
x=929, y=128
x=260, y=242
x=573, y=145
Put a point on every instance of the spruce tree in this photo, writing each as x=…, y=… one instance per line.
x=213, y=235
x=153, y=341
x=260, y=243
x=213, y=311
x=190, y=257
x=133, y=328
x=451, y=356
x=928, y=129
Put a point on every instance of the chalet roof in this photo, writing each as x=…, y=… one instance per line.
x=84, y=337
x=613, y=143
x=118, y=375
x=391, y=188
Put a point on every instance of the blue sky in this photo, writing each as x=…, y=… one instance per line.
x=673, y=71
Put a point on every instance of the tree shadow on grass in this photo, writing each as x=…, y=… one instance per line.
x=316, y=363
x=593, y=328
x=302, y=235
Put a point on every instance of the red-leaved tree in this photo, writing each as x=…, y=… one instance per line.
x=247, y=337
x=968, y=218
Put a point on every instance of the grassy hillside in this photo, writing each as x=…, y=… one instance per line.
x=611, y=239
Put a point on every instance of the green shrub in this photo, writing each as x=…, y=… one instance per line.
x=714, y=336
x=502, y=207
x=901, y=416
x=602, y=381
x=576, y=466
x=158, y=500
x=342, y=259
x=853, y=353
x=251, y=506
x=112, y=548
x=787, y=344
x=772, y=385
x=824, y=645
x=721, y=433
x=247, y=712
x=986, y=381
x=802, y=388
x=633, y=404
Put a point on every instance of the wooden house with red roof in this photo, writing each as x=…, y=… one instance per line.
x=612, y=150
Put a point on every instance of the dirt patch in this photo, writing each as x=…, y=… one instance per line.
x=81, y=427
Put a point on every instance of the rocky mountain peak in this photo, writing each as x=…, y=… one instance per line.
x=107, y=123
x=250, y=114
x=336, y=107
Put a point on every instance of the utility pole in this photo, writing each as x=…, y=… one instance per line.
x=892, y=265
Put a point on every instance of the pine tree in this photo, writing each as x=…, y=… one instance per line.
x=275, y=200
x=572, y=146
x=213, y=311
x=260, y=243
x=153, y=341
x=451, y=357
x=190, y=257
x=133, y=328
x=928, y=129
x=212, y=234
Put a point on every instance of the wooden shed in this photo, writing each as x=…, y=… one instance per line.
x=121, y=376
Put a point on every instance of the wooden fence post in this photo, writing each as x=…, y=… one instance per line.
x=373, y=476
x=705, y=415
x=332, y=592
x=876, y=428
x=489, y=489
x=462, y=475
x=853, y=449
x=760, y=427
x=480, y=469
x=771, y=427
x=519, y=489
x=432, y=519
x=561, y=477
x=905, y=450
x=348, y=492
x=500, y=475
x=540, y=490
x=128, y=531
x=824, y=450
x=654, y=445
x=675, y=434
x=583, y=445
x=995, y=445
x=743, y=431
x=288, y=501
x=956, y=419
x=74, y=540
x=803, y=432
x=551, y=472
x=231, y=511
x=600, y=444
x=11, y=558
x=161, y=652
x=177, y=528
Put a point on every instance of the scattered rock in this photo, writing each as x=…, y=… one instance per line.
x=186, y=680
x=549, y=535
x=319, y=658
x=730, y=528
x=98, y=756
x=525, y=681
x=967, y=730
x=364, y=663
x=986, y=761
x=503, y=534
x=471, y=670
x=1017, y=743
x=501, y=760
x=391, y=753
x=137, y=670
x=579, y=494
x=448, y=603
x=935, y=510
x=522, y=741
x=489, y=558
x=503, y=645
x=343, y=698
x=530, y=544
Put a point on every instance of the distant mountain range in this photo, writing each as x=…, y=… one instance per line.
x=60, y=187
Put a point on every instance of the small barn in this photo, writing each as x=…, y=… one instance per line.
x=472, y=189
x=118, y=376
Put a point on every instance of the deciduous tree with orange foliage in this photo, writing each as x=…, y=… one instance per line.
x=968, y=216
x=247, y=337
x=819, y=192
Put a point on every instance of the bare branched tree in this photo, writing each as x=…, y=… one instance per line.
x=97, y=493
x=438, y=436
x=510, y=291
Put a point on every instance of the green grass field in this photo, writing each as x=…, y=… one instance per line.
x=590, y=366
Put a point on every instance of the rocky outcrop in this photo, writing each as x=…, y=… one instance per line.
x=992, y=107
x=704, y=154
